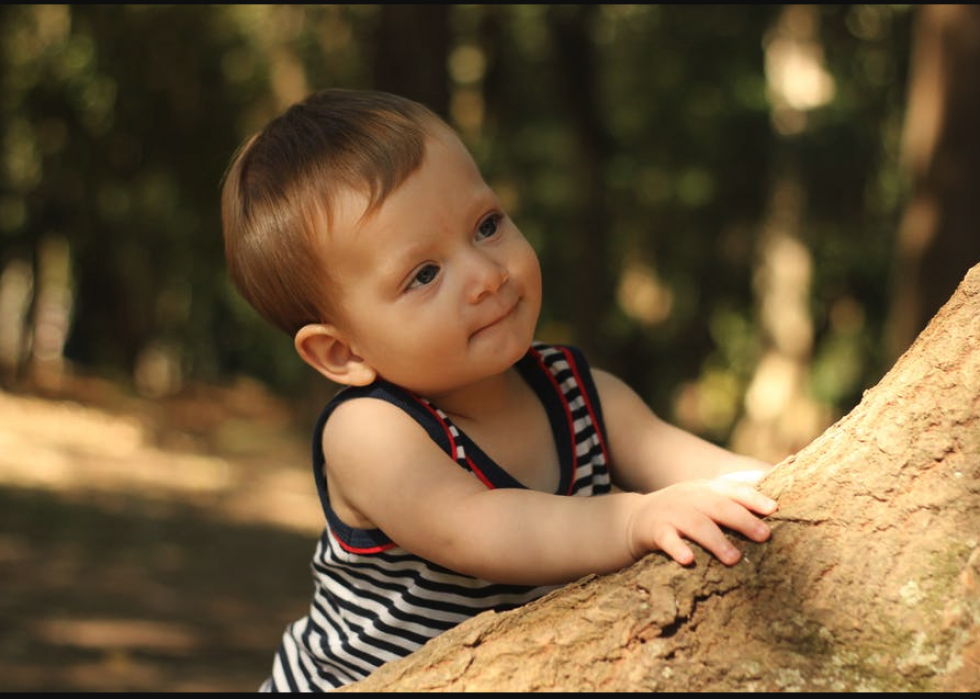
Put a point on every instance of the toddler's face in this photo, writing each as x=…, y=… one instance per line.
x=439, y=287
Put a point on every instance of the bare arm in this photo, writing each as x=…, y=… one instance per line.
x=649, y=453
x=385, y=472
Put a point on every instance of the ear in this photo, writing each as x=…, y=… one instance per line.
x=328, y=351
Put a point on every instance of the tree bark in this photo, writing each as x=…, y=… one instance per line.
x=870, y=582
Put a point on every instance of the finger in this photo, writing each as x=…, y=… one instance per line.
x=700, y=528
x=704, y=531
x=745, y=495
x=670, y=542
x=735, y=516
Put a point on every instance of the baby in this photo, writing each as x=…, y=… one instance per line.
x=464, y=466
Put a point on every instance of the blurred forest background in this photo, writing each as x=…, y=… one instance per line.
x=748, y=212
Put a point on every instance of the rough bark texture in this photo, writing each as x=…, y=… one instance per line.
x=870, y=582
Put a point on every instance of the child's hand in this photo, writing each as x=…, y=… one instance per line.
x=750, y=477
x=694, y=510
x=746, y=469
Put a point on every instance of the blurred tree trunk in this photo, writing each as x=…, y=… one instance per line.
x=16, y=298
x=411, y=51
x=571, y=27
x=870, y=582
x=780, y=416
x=939, y=236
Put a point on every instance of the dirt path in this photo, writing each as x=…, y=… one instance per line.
x=150, y=545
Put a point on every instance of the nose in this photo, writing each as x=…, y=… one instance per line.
x=486, y=276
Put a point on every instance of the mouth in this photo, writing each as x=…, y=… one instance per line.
x=496, y=321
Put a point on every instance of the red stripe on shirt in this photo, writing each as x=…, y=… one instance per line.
x=568, y=415
x=588, y=405
x=354, y=549
x=452, y=444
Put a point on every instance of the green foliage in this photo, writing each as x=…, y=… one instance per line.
x=654, y=146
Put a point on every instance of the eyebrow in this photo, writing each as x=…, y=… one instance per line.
x=399, y=264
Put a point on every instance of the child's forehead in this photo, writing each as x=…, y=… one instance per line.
x=363, y=192
x=445, y=160
x=446, y=172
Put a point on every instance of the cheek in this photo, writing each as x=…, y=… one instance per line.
x=531, y=272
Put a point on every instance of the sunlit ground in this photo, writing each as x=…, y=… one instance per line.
x=150, y=546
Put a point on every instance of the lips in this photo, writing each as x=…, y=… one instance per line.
x=486, y=326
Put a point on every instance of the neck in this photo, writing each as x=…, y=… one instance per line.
x=483, y=399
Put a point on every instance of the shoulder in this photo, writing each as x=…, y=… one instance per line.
x=364, y=419
x=367, y=447
x=382, y=467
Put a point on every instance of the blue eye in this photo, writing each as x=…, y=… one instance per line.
x=425, y=276
x=488, y=227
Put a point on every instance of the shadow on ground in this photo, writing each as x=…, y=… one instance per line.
x=142, y=598
x=135, y=556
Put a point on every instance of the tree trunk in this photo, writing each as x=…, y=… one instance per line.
x=571, y=28
x=938, y=237
x=780, y=414
x=411, y=49
x=870, y=582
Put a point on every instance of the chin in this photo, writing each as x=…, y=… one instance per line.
x=514, y=351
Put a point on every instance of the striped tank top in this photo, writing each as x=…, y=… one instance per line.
x=373, y=601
